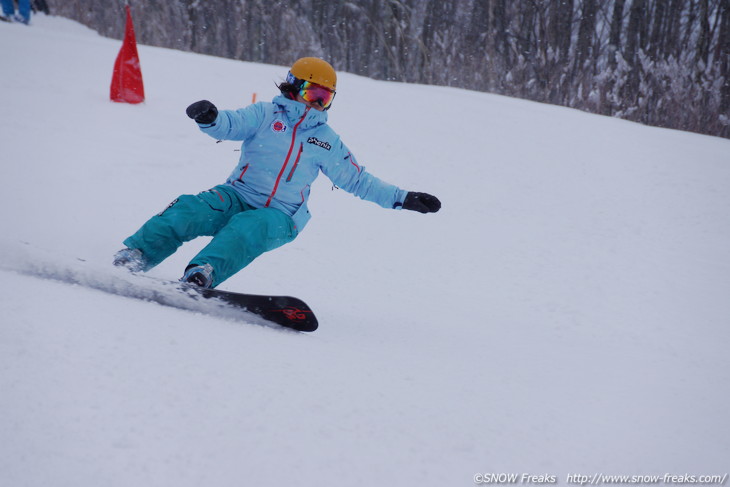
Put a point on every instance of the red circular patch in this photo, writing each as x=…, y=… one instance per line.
x=278, y=126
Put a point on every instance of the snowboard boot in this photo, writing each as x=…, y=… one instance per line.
x=131, y=259
x=201, y=275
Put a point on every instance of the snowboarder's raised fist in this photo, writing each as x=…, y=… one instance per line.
x=202, y=111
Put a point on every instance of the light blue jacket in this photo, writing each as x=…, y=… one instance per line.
x=285, y=145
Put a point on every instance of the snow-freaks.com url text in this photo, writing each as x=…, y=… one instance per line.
x=601, y=479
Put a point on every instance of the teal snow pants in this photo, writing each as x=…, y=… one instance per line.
x=240, y=232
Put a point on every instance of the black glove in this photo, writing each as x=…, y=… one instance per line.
x=202, y=111
x=421, y=202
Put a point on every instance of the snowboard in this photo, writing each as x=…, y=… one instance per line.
x=286, y=311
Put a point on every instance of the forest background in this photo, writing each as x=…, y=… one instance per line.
x=660, y=62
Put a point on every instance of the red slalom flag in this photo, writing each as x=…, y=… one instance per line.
x=127, y=86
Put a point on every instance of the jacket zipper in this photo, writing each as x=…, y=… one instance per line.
x=296, y=162
x=245, y=168
x=288, y=156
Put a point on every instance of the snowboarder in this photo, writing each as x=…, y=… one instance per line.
x=263, y=203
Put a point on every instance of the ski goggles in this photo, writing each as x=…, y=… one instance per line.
x=312, y=92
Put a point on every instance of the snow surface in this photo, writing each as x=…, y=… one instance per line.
x=566, y=312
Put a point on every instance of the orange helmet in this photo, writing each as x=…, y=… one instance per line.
x=314, y=70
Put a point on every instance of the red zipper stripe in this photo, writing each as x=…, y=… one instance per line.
x=243, y=172
x=352, y=161
x=288, y=156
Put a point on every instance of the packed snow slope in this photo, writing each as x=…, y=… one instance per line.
x=566, y=312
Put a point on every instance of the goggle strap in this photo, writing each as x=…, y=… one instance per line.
x=294, y=81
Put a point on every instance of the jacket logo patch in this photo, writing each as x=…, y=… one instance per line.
x=278, y=126
x=317, y=142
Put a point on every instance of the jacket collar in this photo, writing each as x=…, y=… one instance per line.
x=295, y=110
